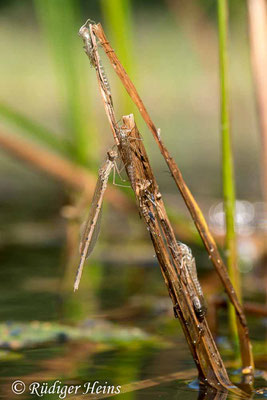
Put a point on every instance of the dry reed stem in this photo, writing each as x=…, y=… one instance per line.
x=203, y=348
x=201, y=343
x=196, y=213
x=61, y=169
x=151, y=207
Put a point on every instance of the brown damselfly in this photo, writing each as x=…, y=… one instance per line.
x=92, y=226
x=188, y=266
x=85, y=34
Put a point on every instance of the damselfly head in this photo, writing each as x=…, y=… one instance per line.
x=185, y=249
x=112, y=155
x=84, y=29
x=199, y=308
x=84, y=32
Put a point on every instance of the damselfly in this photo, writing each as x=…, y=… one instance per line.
x=85, y=34
x=87, y=40
x=92, y=226
x=124, y=136
x=196, y=294
x=145, y=197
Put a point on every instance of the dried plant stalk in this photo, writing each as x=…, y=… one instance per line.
x=195, y=211
x=151, y=207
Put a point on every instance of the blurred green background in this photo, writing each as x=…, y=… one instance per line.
x=171, y=53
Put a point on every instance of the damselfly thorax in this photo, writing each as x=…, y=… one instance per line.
x=145, y=200
x=125, y=139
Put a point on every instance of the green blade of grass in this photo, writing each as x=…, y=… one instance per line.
x=32, y=128
x=227, y=161
x=60, y=24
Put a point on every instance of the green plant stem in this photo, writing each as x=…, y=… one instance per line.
x=227, y=162
x=59, y=22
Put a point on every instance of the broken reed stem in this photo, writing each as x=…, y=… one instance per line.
x=196, y=213
x=63, y=170
x=151, y=207
x=227, y=166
